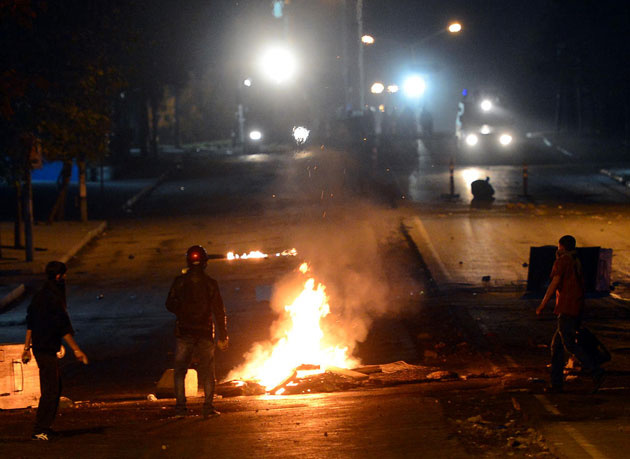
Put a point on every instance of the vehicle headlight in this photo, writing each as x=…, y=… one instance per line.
x=472, y=139
x=505, y=139
x=485, y=129
x=255, y=135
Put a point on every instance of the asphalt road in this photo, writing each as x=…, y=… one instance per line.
x=343, y=214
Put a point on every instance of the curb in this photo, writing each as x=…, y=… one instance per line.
x=143, y=192
x=12, y=296
x=83, y=242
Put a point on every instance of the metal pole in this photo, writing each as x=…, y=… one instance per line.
x=451, y=169
x=344, y=53
x=361, y=70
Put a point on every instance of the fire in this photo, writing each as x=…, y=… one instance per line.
x=259, y=254
x=301, y=342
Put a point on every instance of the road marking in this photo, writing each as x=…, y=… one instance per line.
x=580, y=439
x=434, y=253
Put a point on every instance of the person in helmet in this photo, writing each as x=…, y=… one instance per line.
x=47, y=324
x=195, y=300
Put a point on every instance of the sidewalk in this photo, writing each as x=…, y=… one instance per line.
x=60, y=241
x=462, y=248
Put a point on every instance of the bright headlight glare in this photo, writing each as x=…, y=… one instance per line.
x=278, y=64
x=377, y=88
x=472, y=139
x=255, y=135
x=486, y=105
x=505, y=139
x=414, y=86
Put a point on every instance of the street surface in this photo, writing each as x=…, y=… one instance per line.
x=402, y=266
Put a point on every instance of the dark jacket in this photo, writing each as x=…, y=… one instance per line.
x=194, y=298
x=48, y=319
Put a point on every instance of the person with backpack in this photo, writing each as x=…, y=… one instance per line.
x=196, y=301
x=567, y=282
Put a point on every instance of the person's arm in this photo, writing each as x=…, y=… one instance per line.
x=553, y=286
x=173, y=302
x=78, y=353
x=220, y=317
x=26, y=355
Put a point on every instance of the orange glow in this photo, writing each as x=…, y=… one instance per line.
x=300, y=341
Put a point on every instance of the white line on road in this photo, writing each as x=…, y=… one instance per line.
x=580, y=439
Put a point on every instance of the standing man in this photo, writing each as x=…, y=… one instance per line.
x=195, y=299
x=567, y=282
x=47, y=324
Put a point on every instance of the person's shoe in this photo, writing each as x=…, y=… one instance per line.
x=598, y=380
x=554, y=389
x=210, y=413
x=40, y=436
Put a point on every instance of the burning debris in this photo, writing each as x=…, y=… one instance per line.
x=258, y=254
x=310, y=379
x=301, y=358
x=301, y=348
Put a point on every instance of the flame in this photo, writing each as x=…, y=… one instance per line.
x=302, y=341
x=259, y=254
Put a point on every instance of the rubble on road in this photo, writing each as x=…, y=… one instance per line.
x=335, y=379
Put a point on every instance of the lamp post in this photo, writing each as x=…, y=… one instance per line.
x=360, y=58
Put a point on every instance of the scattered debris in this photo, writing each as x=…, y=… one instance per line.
x=442, y=375
x=65, y=402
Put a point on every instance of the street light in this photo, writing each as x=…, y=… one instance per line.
x=486, y=105
x=247, y=82
x=367, y=39
x=278, y=64
x=392, y=88
x=455, y=27
x=414, y=86
x=377, y=88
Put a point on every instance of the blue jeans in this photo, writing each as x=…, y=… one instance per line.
x=183, y=356
x=565, y=337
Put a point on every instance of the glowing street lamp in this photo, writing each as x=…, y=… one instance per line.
x=455, y=27
x=278, y=64
x=367, y=39
x=486, y=105
x=247, y=82
x=377, y=88
x=414, y=86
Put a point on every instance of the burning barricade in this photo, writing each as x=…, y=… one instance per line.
x=303, y=359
